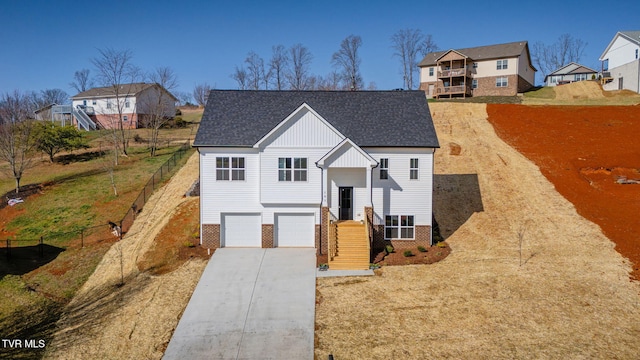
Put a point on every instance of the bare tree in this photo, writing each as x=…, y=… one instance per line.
x=200, y=93
x=184, y=97
x=17, y=143
x=300, y=62
x=549, y=58
x=348, y=61
x=117, y=72
x=161, y=108
x=329, y=82
x=278, y=65
x=428, y=45
x=53, y=96
x=240, y=76
x=255, y=70
x=81, y=81
x=408, y=44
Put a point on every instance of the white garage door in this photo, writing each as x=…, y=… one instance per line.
x=241, y=230
x=295, y=230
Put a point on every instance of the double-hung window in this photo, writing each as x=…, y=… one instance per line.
x=399, y=227
x=413, y=169
x=430, y=71
x=384, y=169
x=230, y=168
x=474, y=83
x=292, y=169
x=502, y=64
x=502, y=82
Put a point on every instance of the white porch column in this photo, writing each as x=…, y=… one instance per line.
x=369, y=203
x=325, y=179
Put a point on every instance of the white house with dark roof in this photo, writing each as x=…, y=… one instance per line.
x=492, y=70
x=132, y=101
x=621, y=62
x=336, y=170
x=569, y=73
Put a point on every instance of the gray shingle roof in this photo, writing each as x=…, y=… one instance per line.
x=481, y=52
x=125, y=90
x=632, y=35
x=368, y=118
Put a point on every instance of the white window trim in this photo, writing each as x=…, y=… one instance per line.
x=505, y=81
x=431, y=71
x=502, y=64
x=384, y=169
x=229, y=169
x=416, y=169
x=293, y=169
x=400, y=227
x=474, y=83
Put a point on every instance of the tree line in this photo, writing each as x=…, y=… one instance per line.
x=289, y=68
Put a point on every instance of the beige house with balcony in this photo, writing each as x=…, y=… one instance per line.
x=493, y=70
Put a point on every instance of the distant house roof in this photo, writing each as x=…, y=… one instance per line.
x=130, y=89
x=570, y=69
x=482, y=52
x=633, y=36
x=368, y=118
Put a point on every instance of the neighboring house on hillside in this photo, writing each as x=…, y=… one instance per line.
x=316, y=168
x=621, y=63
x=135, y=101
x=570, y=73
x=493, y=70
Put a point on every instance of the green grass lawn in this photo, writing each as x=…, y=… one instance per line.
x=76, y=194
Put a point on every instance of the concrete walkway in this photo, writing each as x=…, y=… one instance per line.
x=250, y=304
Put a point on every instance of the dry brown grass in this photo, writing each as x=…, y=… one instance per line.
x=569, y=297
x=583, y=93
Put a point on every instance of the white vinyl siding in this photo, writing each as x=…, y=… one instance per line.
x=228, y=196
x=399, y=194
x=274, y=191
x=348, y=177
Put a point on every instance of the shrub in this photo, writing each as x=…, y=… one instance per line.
x=179, y=122
x=441, y=244
x=422, y=248
x=408, y=253
x=178, y=112
x=389, y=249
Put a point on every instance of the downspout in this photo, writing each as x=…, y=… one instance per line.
x=433, y=169
x=321, y=201
x=372, y=212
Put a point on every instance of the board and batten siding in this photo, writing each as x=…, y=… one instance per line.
x=303, y=129
x=273, y=191
x=348, y=177
x=399, y=195
x=303, y=135
x=237, y=196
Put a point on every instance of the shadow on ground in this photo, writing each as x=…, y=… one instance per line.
x=455, y=198
x=24, y=259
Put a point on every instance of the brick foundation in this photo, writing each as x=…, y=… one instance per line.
x=422, y=238
x=210, y=237
x=267, y=236
x=324, y=232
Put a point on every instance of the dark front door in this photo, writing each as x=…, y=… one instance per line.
x=346, y=203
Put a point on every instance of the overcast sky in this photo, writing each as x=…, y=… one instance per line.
x=42, y=43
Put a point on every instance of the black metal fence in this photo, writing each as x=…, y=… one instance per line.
x=44, y=247
x=155, y=181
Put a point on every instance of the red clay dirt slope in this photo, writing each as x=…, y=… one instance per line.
x=592, y=156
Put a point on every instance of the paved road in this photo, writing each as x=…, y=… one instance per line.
x=250, y=304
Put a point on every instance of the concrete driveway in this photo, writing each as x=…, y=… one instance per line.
x=250, y=304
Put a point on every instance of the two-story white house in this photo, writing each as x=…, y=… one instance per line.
x=621, y=62
x=131, y=102
x=491, y=70
x=316, y=168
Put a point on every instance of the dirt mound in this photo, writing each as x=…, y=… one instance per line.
x=579, y=90
x=591, y=155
